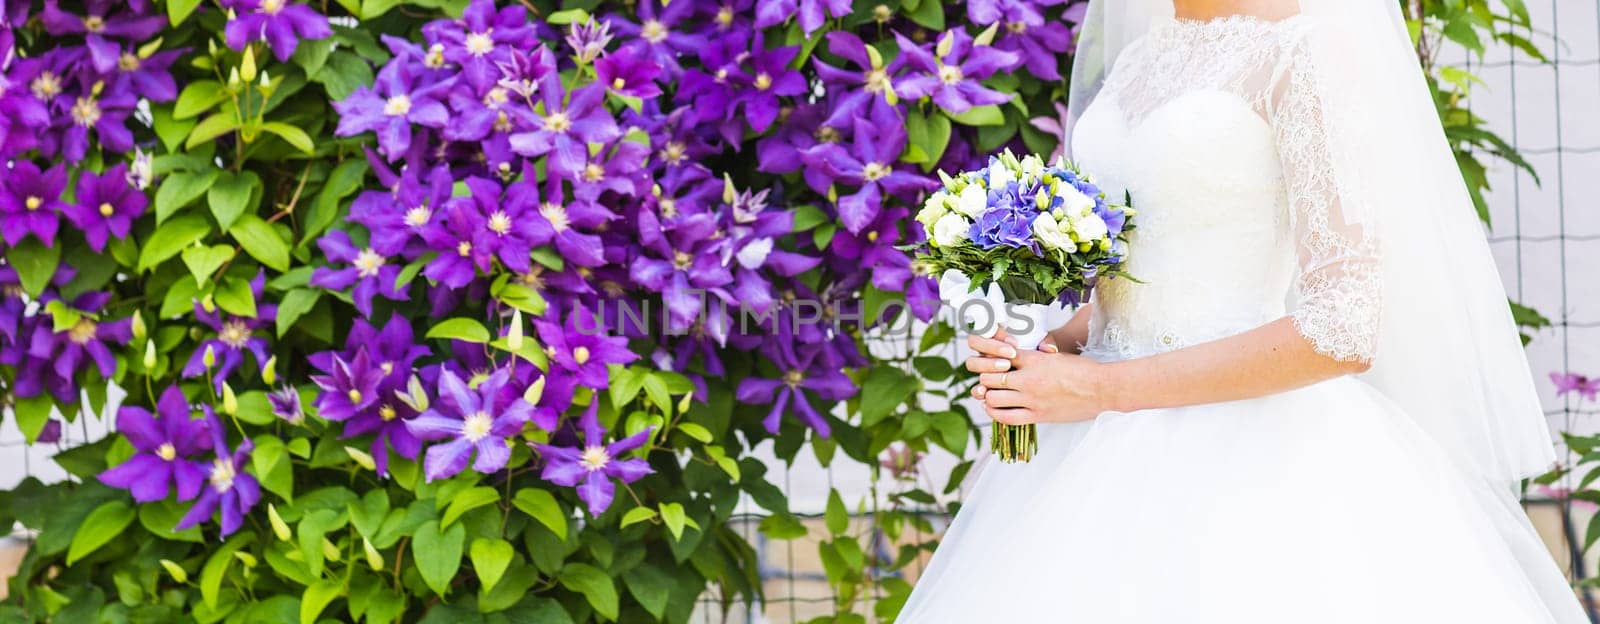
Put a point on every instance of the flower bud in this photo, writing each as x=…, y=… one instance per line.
x=230, y=401
x=247, y=66
x=176, y=571
x=279, y=527
x=987, y=36
x=947, y=42
x=149, y=354
x=514, y=337
x=535, y=391
x=685, y=402
x=361, y=458
x=233, y=78
x=329, y=551
x=210, y=358
x=729, y=193
x=374, y=558
x=245, y=558
x=137, y=326
x=269, y=371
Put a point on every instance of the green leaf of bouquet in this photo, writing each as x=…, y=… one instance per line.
x=35, y=264
x=230, y=196
x=261, y=241
x=317, y=597
x=986, y=115
x=490, y=557
x=438, y=554
x=181, y=189
x=233, y=295
x=468, y=500
x=459, y=328
x=198, y=96
x=212, y=127
x=291, y=135
x=203, y=261
x=541, y=505
x=216, y=567
x=170, y=238
x=651, y=587
x=102, y=525
x=595, y=586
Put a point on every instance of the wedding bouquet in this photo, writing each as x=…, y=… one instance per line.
x=1013, y=241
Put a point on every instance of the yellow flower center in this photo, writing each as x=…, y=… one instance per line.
x=368, y=262
x=557, y=216
x=500, y=223
x=166, y=451
x=874, y=171
x=653, y=31
x=480, y=43
x=763, y=81
x=128, y=62
x=235, y=334
x=502, y=123
x=674, y=152
x=386, y=367
x=722, y=75
x=83, y=331
x=354, y=395
x=33, y=202
x=882, y=13
x=594, y=173
x=827, y=134
x=725, y=16
x=435, y=57
x=271, y=7
x=668, y=206
x=397, y=105
x=682, y=260
x=950, y=74
x=557, y=122
x=465, y=248
x=877, y=81
x=387, y=413
x=106, y=209
x=793, y=378
x=594, y=458
x=86, y=112
x=418, y=216
x=45, y=86
x=222, y=475
x=94, y=23
x=496, y=96
x=1017, y=27
x=618, y=83
x=580, y=355
x=476, y=427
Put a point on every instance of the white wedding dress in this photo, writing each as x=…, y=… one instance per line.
x=1323, y=504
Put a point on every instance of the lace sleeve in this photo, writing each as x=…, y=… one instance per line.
x=1340, y=284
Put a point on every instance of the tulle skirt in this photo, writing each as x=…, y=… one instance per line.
x=1323, y=504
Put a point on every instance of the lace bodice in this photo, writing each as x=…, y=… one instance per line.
x=1217, y=131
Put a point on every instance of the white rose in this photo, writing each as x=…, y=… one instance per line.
x=1049, y=232
x=932, y=210
x=1074, y=201
x=1090, y=228
x=951, y=230
x=972, y=201
x=1000, y=175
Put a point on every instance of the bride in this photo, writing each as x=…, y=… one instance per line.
x=1312, y=406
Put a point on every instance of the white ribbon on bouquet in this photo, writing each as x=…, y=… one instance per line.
x=985, y=312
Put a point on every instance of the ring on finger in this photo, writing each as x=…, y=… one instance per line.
x=1005, y=379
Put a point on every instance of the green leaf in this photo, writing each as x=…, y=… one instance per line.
x=171, y=131
x=230, y=196
x=468, y=500
x=635, y=516
x=217, y=566
x=198, y=96
x=35, y=264
x=317, y=597
x=234, y=296
x=673, y=516
x=656, y=389
x=261, y=241
x=345, y=179
x=102, y=525
x=343, y=74
x=835, y=516
x=460, y=328
x=295, y=304
x=203, y=261
x=210, y=128
x=291, y=135
x=490, y=557
x=885, y=389
x=273, y=467
x=541, y=505
x=782, y=527
x=986, y=115
x=930, y=14
x=594, y=584
x=170, y=238
x=651, y=587
x=695, y=431
x=626, y=381
x=438, y=554
x=180, y=189
x=374, y=8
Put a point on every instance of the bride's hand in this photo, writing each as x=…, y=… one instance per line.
x=1018, y=386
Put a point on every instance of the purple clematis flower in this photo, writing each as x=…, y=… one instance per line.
x=565, y=130
x=562, y=219
x=285, y=404
x=165, y=444
x=869, y=86
x=229, y=489
x=399, y=100
x=459, y=241
x=471, y=419
x=350, y=388
x=1040, y=43
x=278, y=22
x=369, y=271
x=397, y=220
x=770, y=77
x=579, y=347
x=101, y=28
x=812, y=13
x=1568, y=383
x=951, y=71
x=630, y=72
x=146, y=76
x=658, y=34
x=65, y=350
x=107, y=205
x=30, y=202
x=235, y=335
x=482, y=39
x=870, y=164
x=105, y=114
x=803, y=371
x=685, y=264
x=592, y=467
x=22, y=114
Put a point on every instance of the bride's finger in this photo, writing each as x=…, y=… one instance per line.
x=991, y=347
x=978, y=392
x=1012, y=415
x=996, y=398
x=1010, y=380
x=987, y=365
